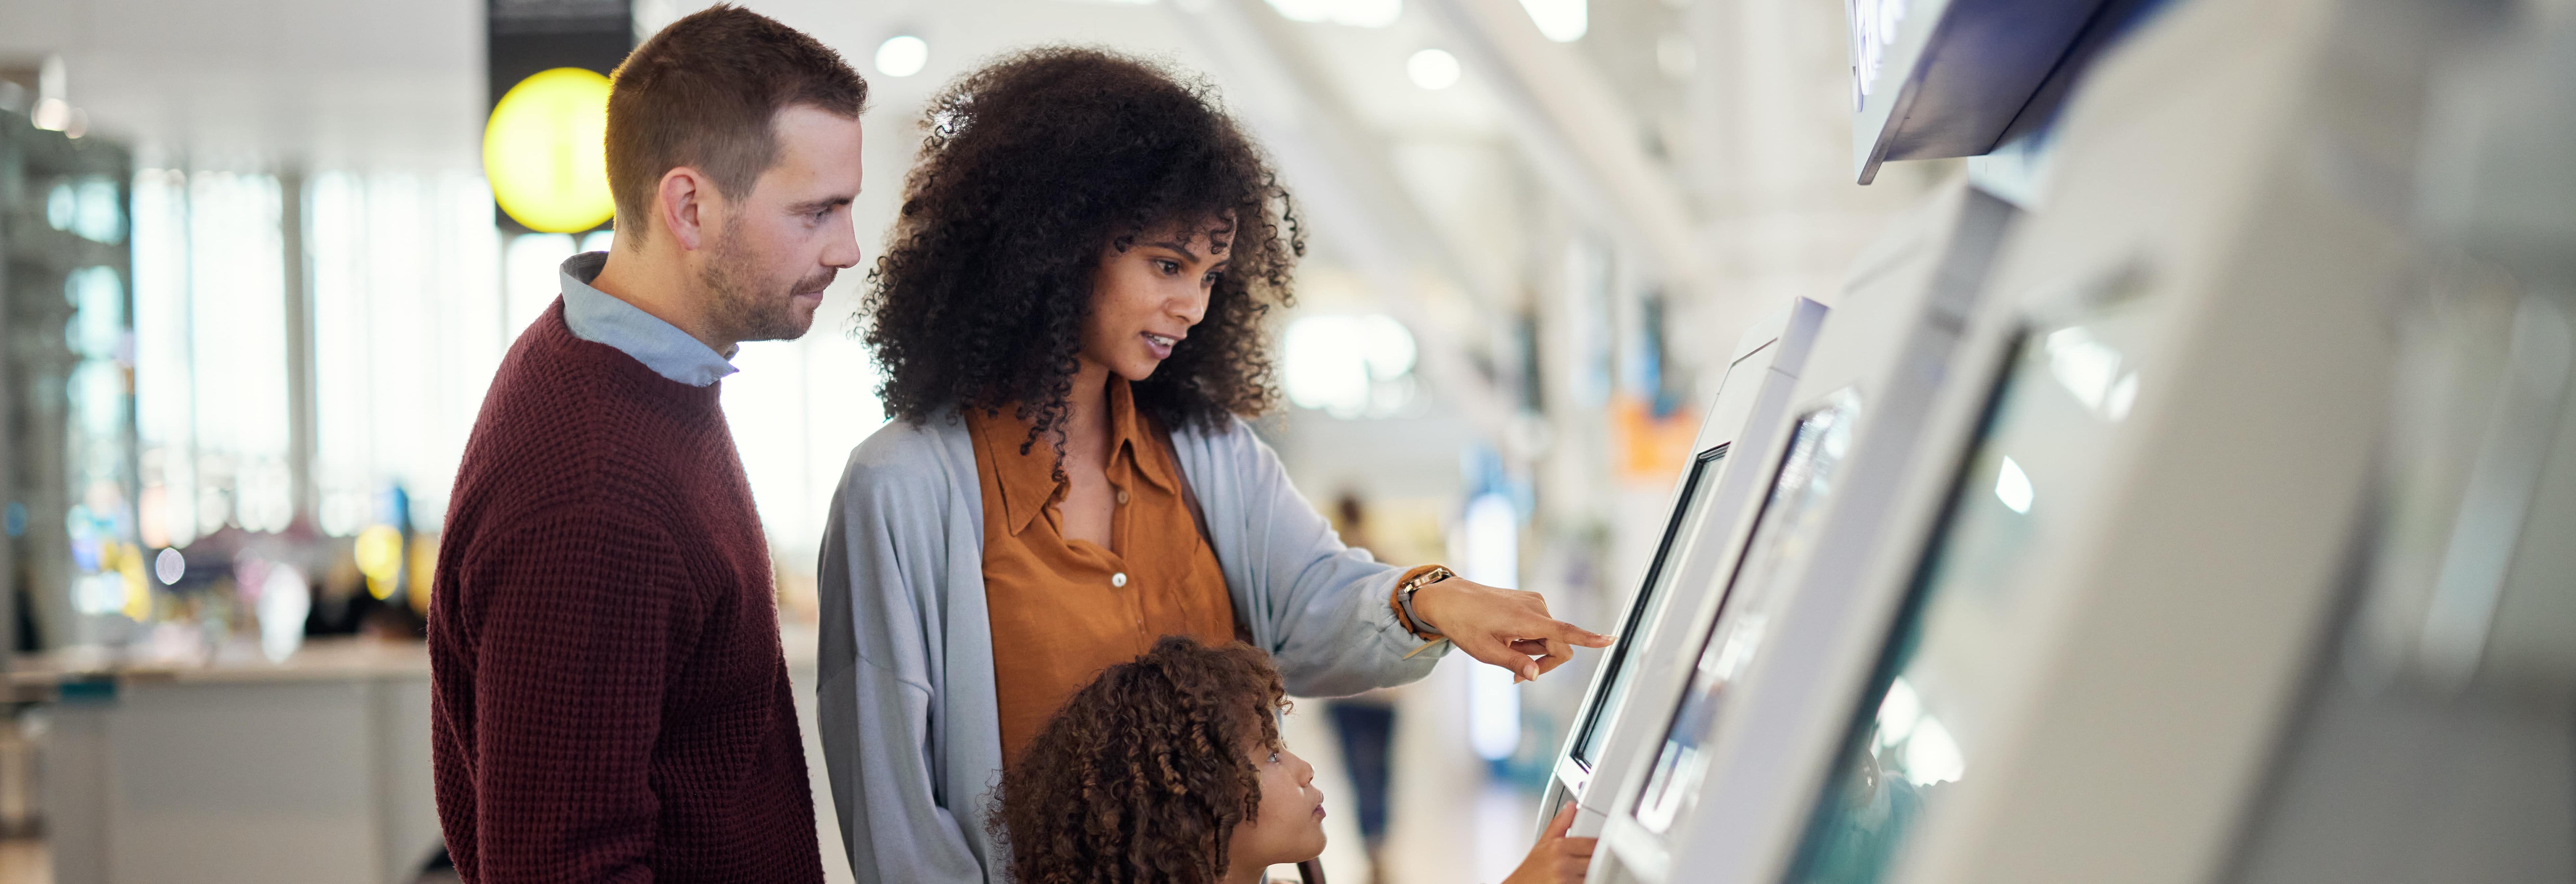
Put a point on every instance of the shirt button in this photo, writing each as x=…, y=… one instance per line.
x=1122, y=497
x=1118, y=579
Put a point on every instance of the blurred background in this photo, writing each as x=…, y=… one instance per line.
x=257, y=283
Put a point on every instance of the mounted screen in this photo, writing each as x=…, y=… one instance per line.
x=1616, y=675
x=1933, y=694
x=1782, y=530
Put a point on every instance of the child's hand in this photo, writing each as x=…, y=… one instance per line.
x=1556, y=859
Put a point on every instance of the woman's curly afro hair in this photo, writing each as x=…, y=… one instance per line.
x=1143, y=775
x=1031, y=166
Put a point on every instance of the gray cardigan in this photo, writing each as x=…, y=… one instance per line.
x=911, y=738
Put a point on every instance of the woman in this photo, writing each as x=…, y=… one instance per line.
x=1169, y=769
x=1068, y=315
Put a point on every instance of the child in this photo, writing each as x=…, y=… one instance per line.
x=1169, y=768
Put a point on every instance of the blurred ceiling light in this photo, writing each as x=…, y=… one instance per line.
x=543, y=151
x=52, y=114
x=902, y=55
x=1563, y=21
x=53, y=110
x=1348, y=366
x=1432, y=69
x=1356, y=13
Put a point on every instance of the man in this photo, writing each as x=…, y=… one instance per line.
x=609, y=701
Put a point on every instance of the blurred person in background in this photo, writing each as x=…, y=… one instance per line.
x=610, y=702
x=1169, y=769
x=1069, y=318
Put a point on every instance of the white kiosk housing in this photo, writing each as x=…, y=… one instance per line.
x=1855, y=416
x=2130, y=518
x=1711, y=494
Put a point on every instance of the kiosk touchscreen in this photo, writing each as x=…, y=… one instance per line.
x=2072, y=653
x=1858, y=408
x=1740, y=421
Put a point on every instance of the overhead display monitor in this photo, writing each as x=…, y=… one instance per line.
x=1781, y=532
x=1957, y=78
x=1939, y=678
x=1618, y=671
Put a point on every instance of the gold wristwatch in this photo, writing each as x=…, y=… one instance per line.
x=1404, y=595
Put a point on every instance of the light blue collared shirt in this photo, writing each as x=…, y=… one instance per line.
x=603, y=318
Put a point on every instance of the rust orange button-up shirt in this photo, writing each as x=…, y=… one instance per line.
x=1063, y=610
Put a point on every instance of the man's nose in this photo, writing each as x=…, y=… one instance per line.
x=844, y=252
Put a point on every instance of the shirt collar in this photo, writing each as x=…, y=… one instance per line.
x=1028, y=481
x=603, y=318
x=1131, y=435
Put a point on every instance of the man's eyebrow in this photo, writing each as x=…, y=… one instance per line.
x=831, y=202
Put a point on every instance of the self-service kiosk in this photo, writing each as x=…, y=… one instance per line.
x=1853, y=417
x=2069, y=653
x=1759, y=376
x=2437, y=741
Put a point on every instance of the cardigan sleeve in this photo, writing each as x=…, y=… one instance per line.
x=1319, y=607
x=879, y=692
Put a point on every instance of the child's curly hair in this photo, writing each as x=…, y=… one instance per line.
x=1032, y=165
x=1142, y=776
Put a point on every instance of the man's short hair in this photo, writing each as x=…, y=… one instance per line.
x=704, y=93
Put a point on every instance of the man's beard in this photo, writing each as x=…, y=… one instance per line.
x=746, y=307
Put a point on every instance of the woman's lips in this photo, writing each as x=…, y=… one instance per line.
x=1162, y=346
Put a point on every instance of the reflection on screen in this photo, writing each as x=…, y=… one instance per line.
x=1781, y=532
x=1616, y=675
x=2033, y=464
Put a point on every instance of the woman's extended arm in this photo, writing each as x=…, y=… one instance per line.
x=1325, y=610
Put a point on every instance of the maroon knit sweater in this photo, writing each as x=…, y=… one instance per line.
x=609, y=701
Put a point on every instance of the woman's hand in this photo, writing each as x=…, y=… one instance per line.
x=1504, y=627
x=1555, y=859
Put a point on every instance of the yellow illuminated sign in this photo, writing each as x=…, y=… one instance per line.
x=379, y=552
x=544, y=151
